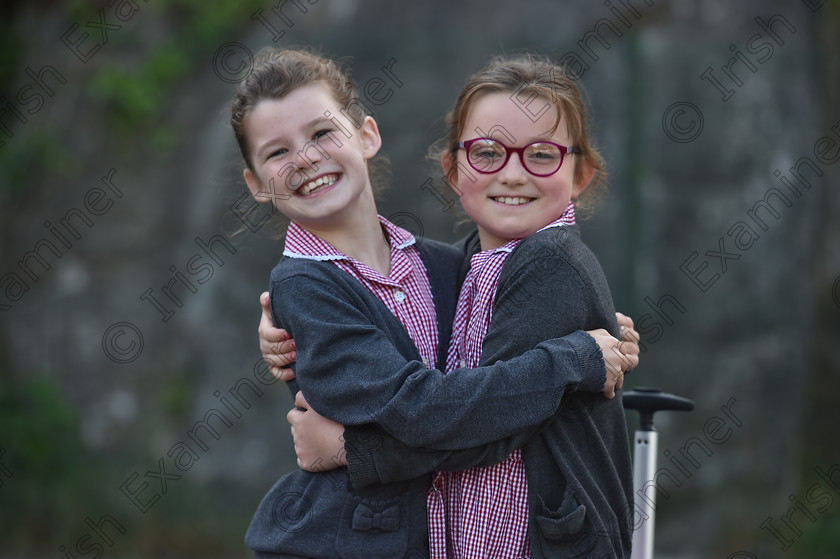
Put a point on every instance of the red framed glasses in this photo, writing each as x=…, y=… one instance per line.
x=541, y=159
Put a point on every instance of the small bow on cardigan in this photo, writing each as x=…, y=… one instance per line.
x=387, y=520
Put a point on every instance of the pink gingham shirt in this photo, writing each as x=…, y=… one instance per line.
x=481, y=513
x=405, y=291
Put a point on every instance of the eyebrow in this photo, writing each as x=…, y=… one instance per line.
x=318, y=120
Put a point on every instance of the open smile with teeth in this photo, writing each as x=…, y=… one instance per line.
x=511, y=200
x=317, y=184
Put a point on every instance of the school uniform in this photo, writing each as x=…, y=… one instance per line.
x=358, y=366
x=577, y=464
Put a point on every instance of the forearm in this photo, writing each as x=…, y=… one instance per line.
x=373, y=456
x=461, y=410
x=351, y=372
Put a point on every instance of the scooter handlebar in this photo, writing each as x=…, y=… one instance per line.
x=647, y=401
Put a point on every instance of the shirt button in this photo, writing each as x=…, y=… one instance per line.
x=462, y=364
x=399, y=296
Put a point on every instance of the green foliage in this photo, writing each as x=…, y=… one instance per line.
x=52, y=474
x=135, y=99
x=821, y=537
x=81, y=10
x=176, y=528
x=33, y=153
x=56, y=482
x=178, y=394
x=11, y=51
x=208, y=28
x=822, y=540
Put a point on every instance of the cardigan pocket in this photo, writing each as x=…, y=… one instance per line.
x=371, y=528
x=563, y=524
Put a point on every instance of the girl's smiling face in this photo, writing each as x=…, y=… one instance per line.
x=313, y=171
x=512, y=203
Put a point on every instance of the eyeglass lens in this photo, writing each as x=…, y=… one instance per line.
x=540, y=158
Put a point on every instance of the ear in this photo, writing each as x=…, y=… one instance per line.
x=450, y=171
x=583, y=176
x=255, y=185
x=371, y=140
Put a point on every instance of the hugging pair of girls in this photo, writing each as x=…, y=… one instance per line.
x=452, y=401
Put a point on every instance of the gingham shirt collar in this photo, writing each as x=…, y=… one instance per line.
x=300, y=243
x=568, y=218
x=405, y=291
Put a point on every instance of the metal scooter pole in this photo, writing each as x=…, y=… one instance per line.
x=647, y=401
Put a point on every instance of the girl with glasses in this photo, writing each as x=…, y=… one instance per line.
x=371, y=313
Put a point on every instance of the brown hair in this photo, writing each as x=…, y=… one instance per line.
x=277, y=73
x=527, y=75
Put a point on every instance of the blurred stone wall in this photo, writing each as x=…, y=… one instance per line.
x=726, y=257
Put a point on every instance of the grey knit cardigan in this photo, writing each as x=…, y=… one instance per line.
x=578, y=462
x=357, y=365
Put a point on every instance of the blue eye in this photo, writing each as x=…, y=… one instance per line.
x=543, y=153
x=486, y=150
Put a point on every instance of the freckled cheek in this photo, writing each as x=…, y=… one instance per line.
x=476, y=188
x=472, y=198
x=328, y=150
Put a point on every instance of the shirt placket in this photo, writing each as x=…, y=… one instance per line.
x=397, y=281
x=485, y=270
x=398, y=294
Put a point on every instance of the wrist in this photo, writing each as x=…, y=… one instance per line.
x=593, y=371
x=359, y=445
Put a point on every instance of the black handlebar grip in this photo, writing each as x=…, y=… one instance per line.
x=647, y=401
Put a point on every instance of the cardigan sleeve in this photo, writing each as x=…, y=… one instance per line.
x=374, y=456
x=555, y=291
x=352, y=373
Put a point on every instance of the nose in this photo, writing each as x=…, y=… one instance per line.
x=309, y=155
x=513, y=172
